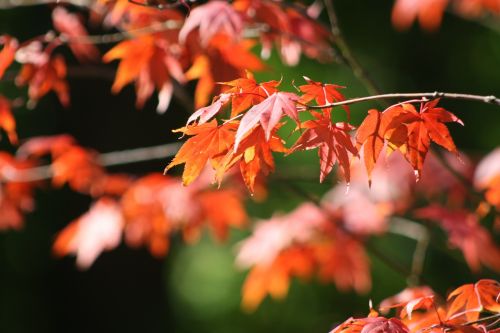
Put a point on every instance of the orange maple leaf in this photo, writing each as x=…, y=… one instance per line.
x=274, y=279
x=470, y=300
x=246, y=92
x=7, y=53
x=428, y=12
x=370, y=135
x=321, y=93
x=208, y=141
x=221, y=61
x=253, y=155
x=233, y=214
x=147, y=61
x=7, y=121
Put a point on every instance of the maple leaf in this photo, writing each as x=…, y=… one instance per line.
x=8, y=52
x=274, y=279
x=208, y=140
x=487, y=177
x=471, y=299
x=487, y=170
x=246, y=92
x=79, y=168
x=206, y=113
x=370, y=135
x=212, y=18
x=111, y=185
x=16, y=198
x=42, y=73
x=333, y=142
x=270, y=237
x=291, y=31
x=403, y=298
x=55, y=145
x=407, y=308
x=219, y=219
x=145, y=220
x=7, y=121
x=371, y=324
x=71, y=28
x=360, y=211
x=221, y=61
x=437, y=178
x=428, y=12
x=254, y=156
x=147, y=60
x=343, y=260
x=98, y=230
x=74, y=165
x=268, y=113
x=322, y=93
x=412, y=132
x=467, y=234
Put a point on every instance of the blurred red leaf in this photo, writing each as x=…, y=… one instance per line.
x=71, y=27
x=7, y=121
x=96, y=231
x=333, y=142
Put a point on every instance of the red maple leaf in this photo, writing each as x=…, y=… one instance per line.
x=465, y=233
x=412, y=131
x=7, y=121
x=333, y=142
x=7, y=53
x=212, y=18
x=72, y=29
x=42, y=72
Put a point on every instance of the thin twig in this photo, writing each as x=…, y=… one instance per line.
x=424, y=96
x=107, y=159
x=122, y=35
x=421, y=235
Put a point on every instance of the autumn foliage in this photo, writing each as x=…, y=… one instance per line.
x=391, y=167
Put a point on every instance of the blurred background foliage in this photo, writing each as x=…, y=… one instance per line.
x=196, y=288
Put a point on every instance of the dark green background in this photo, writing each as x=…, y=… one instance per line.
x=196, y=288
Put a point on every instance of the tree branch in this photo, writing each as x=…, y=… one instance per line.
x=107, y=159
x=425, y=96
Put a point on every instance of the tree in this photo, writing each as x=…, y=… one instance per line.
x=391, y=165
